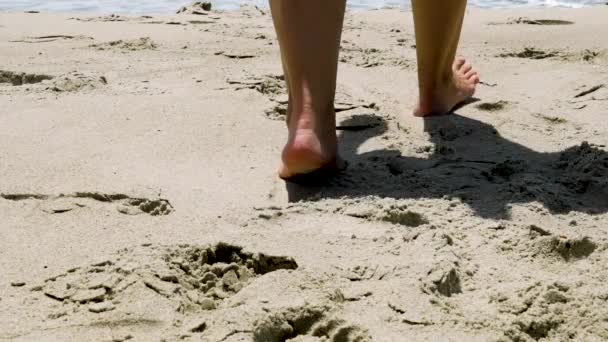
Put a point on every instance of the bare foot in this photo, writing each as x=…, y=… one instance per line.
x=448, y=96
x=309, y=150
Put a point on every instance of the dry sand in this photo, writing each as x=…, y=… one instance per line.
x=140, y=201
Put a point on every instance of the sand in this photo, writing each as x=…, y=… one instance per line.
x=139, y=197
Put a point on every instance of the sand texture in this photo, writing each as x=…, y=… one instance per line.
x=139, y=199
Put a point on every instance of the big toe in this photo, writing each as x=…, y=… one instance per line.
x=459, y=62
x=475, y=79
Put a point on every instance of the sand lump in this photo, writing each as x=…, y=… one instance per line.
x=76, y=81
x=198, y=8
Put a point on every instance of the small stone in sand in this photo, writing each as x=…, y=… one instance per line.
x=17, y=284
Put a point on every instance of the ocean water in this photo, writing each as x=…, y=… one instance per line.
x=170, y=6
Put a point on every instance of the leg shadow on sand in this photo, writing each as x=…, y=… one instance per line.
x=472, y=162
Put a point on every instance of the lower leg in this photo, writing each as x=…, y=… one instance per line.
x=309, y=34
x=444, y=81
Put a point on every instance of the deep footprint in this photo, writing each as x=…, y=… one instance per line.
x=309, y=323
x=195, y=278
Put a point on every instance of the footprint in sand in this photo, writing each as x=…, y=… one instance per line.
x=386, y=210
x=50, y=38
x=532, y=53
x=538, y=243
x=308, y=323
x=59, y=204
x=105, y=18
x=587, y=55
x=273, y=87
x=371, y=57
x=70, y=82
x=21, y=78
x=531, y=312
x=137, y=206
x=528, y=21
x=187, y=278
x=140, y=44
x=492, y=106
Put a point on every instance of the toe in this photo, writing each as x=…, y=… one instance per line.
x=459, y=62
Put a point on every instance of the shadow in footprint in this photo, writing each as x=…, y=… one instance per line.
x=471, y=161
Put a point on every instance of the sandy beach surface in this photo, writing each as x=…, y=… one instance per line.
x=139, y=197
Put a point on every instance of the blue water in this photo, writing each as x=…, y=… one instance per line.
x=170, y=6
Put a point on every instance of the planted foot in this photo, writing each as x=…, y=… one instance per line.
x=310, y=150
x=448, y=96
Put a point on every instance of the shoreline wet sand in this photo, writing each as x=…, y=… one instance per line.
x=140, y=199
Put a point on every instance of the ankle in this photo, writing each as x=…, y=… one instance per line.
x=313, y=130
x=321, y=122
x=308, y=149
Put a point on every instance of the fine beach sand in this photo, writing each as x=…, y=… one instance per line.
x=139, y=197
